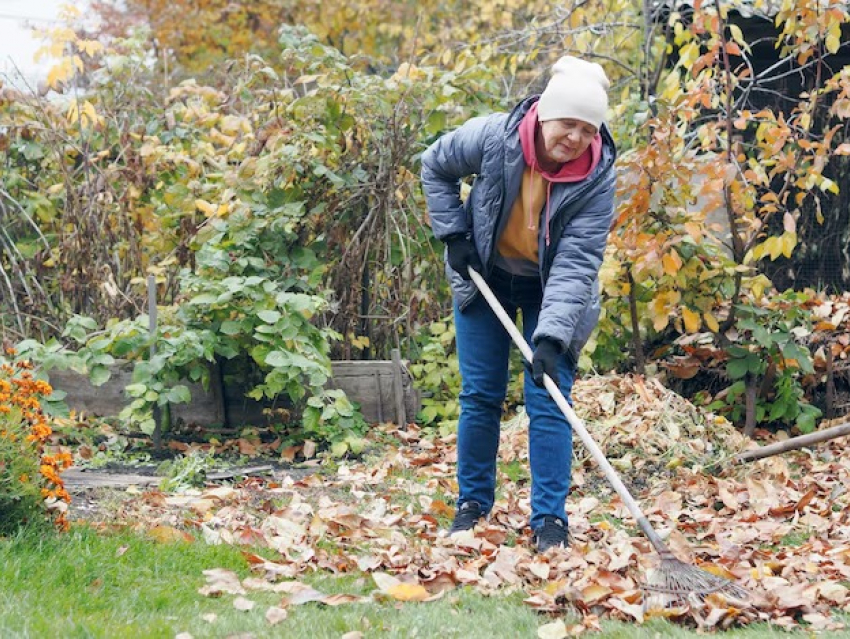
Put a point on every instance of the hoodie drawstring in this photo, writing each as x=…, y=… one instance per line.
x=529, y=214
x=548, y=203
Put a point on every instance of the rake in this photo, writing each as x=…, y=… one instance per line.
x=674, y=582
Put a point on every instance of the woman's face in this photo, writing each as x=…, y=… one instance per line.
x=565, y=140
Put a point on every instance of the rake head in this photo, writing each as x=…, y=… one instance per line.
x=676, y=584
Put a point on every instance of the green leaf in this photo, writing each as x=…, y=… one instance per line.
x=755, y=363
x=102, y=359
x=269, y=316
x=278, y=359
x=339, y=449
x=344, y=407
x=179, y=395
x=203, y=298
x=99, y=375
x=737, y=351
x=136, y=390
x=801, y=355
x=737, y=368
x=806, y=422
x=229, y=327
x=147, y=426
x=310, y=420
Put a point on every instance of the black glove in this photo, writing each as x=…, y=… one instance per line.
x=545, y=360
x=463, y=255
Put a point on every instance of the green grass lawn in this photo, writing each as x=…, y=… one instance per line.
x=86, y=584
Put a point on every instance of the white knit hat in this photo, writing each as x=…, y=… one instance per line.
x=577, y=90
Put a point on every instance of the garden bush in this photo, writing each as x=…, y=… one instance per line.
x=31, y=489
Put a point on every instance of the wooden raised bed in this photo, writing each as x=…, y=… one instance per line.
x=383, y=389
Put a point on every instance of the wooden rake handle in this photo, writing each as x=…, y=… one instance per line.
x=574, y=420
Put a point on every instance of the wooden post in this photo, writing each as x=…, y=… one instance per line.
x=794, y=443
x=398, y=389
x=157, y=417
x=380, y=403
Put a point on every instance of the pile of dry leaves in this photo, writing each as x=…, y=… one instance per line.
x=777, y=526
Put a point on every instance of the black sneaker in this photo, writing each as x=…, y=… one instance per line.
x=553, y=532
x=466, y=516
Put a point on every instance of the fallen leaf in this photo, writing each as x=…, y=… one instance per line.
x=221, y=581
x=633, y=610
x=243, y=604
x=408, y=592
x=539, y=569
x=385, y=581
x=275, y=615
x=725, y=492
x=340, y=599
x=555, y=630
x=439, y=507
x=202, y=506
x=594, y=593
x=305, y=594
x=169, y=535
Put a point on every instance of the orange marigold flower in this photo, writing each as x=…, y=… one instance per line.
x=42, y=431
x=65, y=459
x=50, y=474
x=24, y=478
x=43, y=387
x=5, y=409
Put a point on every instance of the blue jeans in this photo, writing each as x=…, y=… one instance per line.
x=483, y=345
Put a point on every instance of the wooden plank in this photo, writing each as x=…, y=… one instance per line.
x=398, y=389
x=372, y=384
x=371, y=387
x=76, y=479
x=108, y=399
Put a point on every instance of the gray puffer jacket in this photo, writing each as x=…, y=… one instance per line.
x=581, y=212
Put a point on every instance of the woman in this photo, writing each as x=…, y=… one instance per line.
x=535, y=225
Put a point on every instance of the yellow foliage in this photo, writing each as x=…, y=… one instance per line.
x=205, y=207
x=672, y=263
x=691, y=319
x=83, y=114
x=662, y=306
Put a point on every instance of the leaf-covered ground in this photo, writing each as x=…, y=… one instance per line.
x=777, y=526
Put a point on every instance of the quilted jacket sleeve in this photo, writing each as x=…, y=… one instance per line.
x=452, y=157
x=575, y=268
